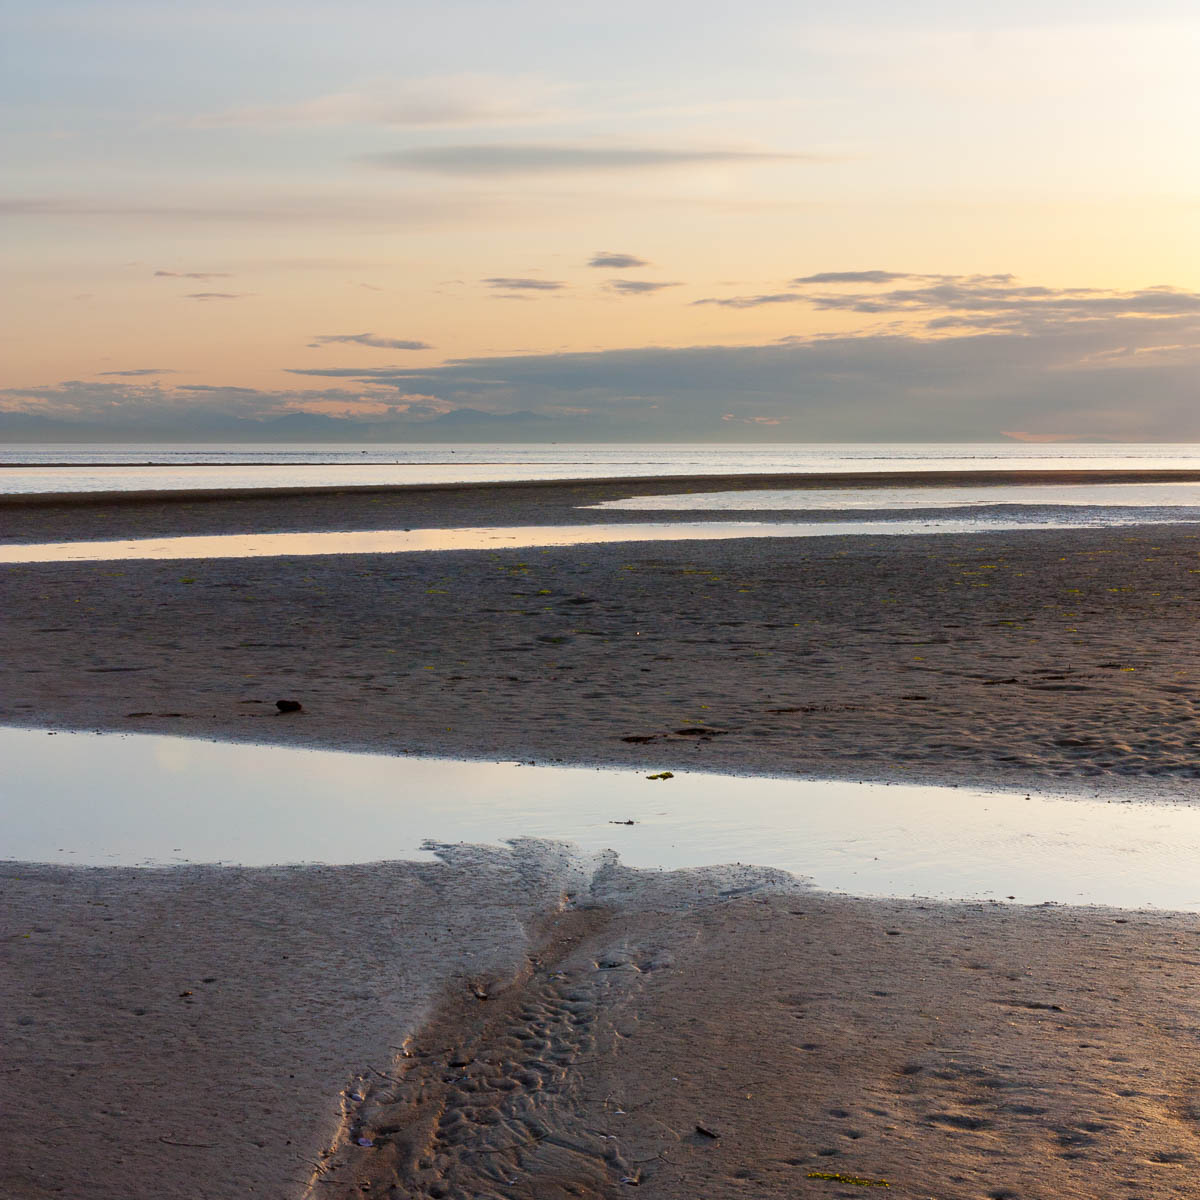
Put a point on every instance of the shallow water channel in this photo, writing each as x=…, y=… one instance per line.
x=399, y=541
x=1179, y=496
x=137, y=799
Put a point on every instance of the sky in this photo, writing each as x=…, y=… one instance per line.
x=773, y=221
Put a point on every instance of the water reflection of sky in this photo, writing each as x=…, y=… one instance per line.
x=31, y=469
x=1111, y=495
x=108, y=800
x=517, y=537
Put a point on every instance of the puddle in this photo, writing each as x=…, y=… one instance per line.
x=1111, y=495
x=105, y=799
x=400, y=541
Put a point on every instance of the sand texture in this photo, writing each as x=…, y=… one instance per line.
x=1025, y=659
x=808, y=1046
x=518, y=1023
x=196, y=1032
x=220, y=1033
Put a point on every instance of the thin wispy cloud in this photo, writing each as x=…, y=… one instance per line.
x=616, y=262
x=759, y=301
x=637, y=287
x=139, y=372
x=192, y=275
x=519, y=158
x=850, y=299
x=368, y=339
x=855, y=277
x=949, y=302
x=219, y=389
x=516, y=284
x=444, y=101
x=216, y=295
x=998, y=302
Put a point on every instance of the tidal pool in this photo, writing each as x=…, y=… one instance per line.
x=136, y=799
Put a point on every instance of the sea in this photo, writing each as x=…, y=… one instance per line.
x=35, y=469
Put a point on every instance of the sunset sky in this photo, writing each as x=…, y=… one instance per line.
x=788, y=221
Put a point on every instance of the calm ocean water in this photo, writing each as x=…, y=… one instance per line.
x=69, y=468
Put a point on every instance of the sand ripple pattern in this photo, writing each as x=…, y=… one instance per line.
x=483, y=1103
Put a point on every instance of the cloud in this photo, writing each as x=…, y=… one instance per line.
x=1040, y=360
x=368, y=339
x=981, y=302
x=856, y=301
x=177, y=410
x=755, y=301
x=996, y=302
x=637, y=287
x=1043, y=376
x=498, y=158
x=140, y=371
x=444, y=101
x=216, y=295
x=219, y=389
x=616, y=262
x=854, y=277
x=508, y=284
x=192, y=275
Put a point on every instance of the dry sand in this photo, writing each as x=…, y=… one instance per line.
x=548, y=1029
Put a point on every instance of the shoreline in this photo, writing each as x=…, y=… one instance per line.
x=520, y=1022
x=1165, y=793
x=618, y=484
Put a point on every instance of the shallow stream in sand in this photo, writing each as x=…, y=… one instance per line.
x=1044, y=496
x=516, y=537
x=110, y=799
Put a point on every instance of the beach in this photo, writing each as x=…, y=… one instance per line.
x=523, y=1023
x=1024, y=658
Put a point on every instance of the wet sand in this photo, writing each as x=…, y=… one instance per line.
x=94, y=516
x=515, y=1024
x=548, y=1029
x=1026, y=659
